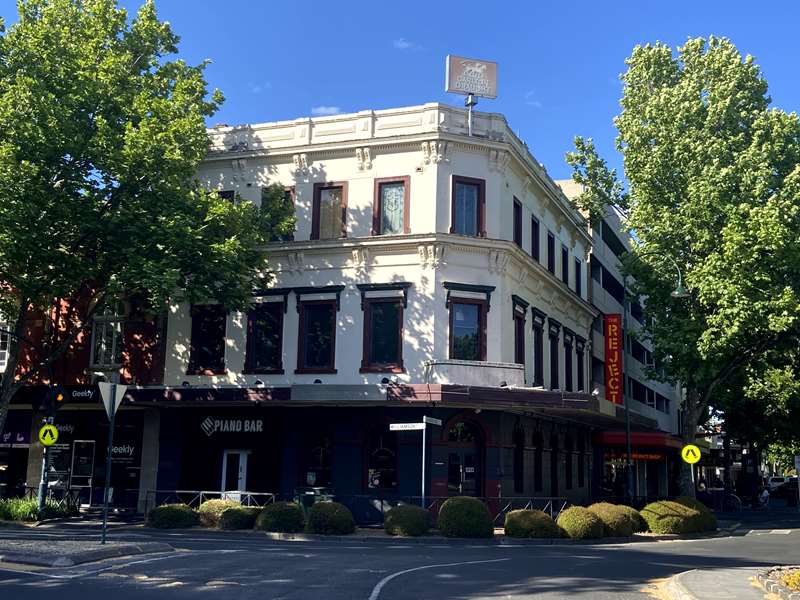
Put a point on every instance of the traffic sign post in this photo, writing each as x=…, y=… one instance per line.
x=112, y=394
x=797, y=470
x=691, y=455
x=418, y=427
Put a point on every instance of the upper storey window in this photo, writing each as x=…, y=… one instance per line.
x=329, y=219
x=468, y=210
x=468, y=329
x=390, y=208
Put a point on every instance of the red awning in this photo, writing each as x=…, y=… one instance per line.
x=649, y=439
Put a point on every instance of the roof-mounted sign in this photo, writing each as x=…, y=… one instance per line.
x=471, y=76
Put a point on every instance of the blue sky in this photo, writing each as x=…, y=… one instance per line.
x=559, y=61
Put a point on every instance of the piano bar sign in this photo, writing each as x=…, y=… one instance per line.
x=471, y=76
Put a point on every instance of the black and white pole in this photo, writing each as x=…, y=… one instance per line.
x=112, y=394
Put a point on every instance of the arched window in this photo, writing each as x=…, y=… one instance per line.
x=382, y=460
x=317, y=471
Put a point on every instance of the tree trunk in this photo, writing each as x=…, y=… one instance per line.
x=689, y=436
x=8, y=383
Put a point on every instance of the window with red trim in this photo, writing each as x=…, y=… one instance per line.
x=468, y=329
x=265, y=338
x=207, y=346
x=329, y=213
x=316, y=347
x=390, y=208
x=383, y=335
x=517, y=222
x=468, y=206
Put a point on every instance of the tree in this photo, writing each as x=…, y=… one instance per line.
x=100, y=137
x=713, y=182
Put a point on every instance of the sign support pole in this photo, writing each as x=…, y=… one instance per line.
x=43, y=480
x=424, y=430
x=469, y=103
x=108, y=460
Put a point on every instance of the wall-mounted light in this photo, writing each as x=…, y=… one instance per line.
x=259, y=383
x=185, y=384
x=318, y=381
x=385, y=381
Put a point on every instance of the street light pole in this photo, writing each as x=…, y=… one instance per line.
x=678, y=292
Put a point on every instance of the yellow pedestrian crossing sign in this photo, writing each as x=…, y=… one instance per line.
x=690, y=453
x=48, y=435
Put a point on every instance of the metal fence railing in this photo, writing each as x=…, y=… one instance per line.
x=195, y=498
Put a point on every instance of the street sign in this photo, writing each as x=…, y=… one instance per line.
x=105, y=391
x=690, y=453
x=432, y=421
x=48, y=435
x=406, y=426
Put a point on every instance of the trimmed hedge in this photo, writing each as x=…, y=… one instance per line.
x=707, y=521
x=239, y=517
x=407, y=520
x=666, y=516
x=173, y=516
x=281, y=517
x=530, y=524
x=330, y=518
x=467, y=517
x=616, y=522
x=211, y=510
x=638, y=524
x=580, y=523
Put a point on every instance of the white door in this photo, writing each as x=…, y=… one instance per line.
x=234, y=472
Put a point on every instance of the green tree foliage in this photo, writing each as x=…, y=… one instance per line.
x=713, y=183
x=101, y=132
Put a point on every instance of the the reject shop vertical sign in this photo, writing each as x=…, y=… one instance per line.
x=613, y=324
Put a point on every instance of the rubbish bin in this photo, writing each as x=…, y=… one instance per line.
x=306, y=497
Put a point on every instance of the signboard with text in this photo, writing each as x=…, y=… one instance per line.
x=471, y=76
x=613, y=348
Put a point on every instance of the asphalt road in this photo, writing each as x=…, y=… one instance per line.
x=243, y=566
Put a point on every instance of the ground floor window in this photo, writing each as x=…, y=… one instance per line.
x=519, y=460
x=382, y=459
x=317, y=461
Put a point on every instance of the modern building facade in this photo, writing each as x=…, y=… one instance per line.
x=431, y=273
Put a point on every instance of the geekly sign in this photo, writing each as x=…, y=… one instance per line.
x=210, y=426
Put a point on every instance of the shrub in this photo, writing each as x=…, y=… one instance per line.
x=330, y=518
x=408, y=520
x=239, y=517
x=616, y=522
x=706, y=521
x=463, y=516
x=580, y=523
x=638, y=524
x=27, y=509
x=173, y=516
x=282, y=517
x=666, y=516
x=530, y=524
x=211, y=510
x=5, y=511
x=792, y=580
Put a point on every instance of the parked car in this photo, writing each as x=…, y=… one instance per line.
x=787, y=490
x=774, y=483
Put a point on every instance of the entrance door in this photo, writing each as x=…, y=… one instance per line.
x=234, y=471
x=462, y=473
x=82, y=469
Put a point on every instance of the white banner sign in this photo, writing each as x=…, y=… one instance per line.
x=406, y=426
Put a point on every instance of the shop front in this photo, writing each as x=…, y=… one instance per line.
x=654, y=458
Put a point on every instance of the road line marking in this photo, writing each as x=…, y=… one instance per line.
x=376, y=591
x=118, y=565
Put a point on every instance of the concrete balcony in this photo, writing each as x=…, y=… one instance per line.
x=475, y=373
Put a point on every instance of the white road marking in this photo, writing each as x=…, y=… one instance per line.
x=376, y=591
x=116, y=565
